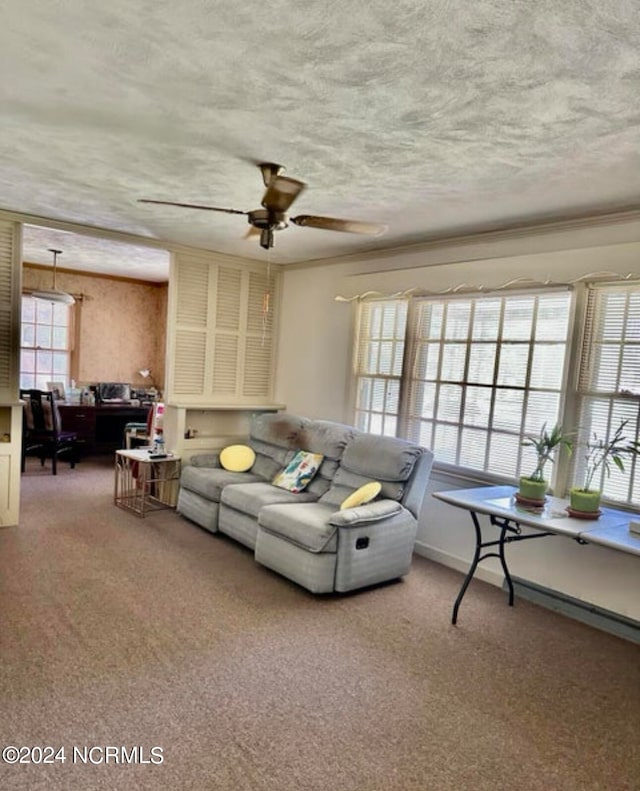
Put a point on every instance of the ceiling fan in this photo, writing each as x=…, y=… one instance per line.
x=281, y=191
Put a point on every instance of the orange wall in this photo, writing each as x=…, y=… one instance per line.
x=122, y=324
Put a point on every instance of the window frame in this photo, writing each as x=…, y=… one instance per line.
x=42, y=378
x=558, y=471
x=361, y=373
x=502, y=342
x=585, y=373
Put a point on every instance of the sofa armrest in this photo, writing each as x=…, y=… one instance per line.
x=205, y=460
x=370, y=512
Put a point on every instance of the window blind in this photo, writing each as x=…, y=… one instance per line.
x=484, y=371
x=378, y=367
x=45, y=343
x=609, y=382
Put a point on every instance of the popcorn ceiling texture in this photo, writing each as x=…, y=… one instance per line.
x=433, y=116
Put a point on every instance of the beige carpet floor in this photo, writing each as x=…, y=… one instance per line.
x=117, y=631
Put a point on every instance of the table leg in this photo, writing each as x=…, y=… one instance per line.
x=508, y=532
x=503, y=561
x=472, y=568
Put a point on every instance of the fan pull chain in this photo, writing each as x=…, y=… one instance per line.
x=266, y=299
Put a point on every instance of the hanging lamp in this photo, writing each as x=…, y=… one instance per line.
x=54, y=294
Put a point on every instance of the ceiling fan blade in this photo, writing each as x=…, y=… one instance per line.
x=191, y=206
x=333, y=224
x=281, y=193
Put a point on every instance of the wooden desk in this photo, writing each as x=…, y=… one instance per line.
x=100, y=428
x=499, y=504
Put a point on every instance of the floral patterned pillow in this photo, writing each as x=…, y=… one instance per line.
x=297, y=475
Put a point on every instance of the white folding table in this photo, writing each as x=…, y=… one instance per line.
x=499, y=503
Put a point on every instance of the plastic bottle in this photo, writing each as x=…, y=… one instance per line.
x=74, y=393
x=158, y=442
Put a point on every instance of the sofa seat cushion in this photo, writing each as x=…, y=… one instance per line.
x=210, y=481
x=304, y=524
x=249, y=498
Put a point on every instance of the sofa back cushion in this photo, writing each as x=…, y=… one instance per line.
x=381, y=458
x=369, y=457
x=330, y=439
x=274, y=438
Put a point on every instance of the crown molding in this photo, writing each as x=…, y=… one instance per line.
x=507, y=232
x=124, y=237
x=100, y=275
x=491, y=235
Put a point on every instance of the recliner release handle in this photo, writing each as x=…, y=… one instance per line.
x=362, y=543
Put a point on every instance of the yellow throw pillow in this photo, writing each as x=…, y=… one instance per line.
x=237, y=458
x=362, y=495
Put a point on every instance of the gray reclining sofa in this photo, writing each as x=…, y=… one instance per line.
x=305, y=536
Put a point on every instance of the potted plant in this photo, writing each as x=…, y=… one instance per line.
x=599, y=456
x=533, y=487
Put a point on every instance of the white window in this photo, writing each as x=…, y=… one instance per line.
x=380, y=352
x=45, y=343
x=486, y=371
x=609, y=382
x=478, y=373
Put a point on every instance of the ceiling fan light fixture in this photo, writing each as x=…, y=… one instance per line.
x=266, y=238
x=54, y=294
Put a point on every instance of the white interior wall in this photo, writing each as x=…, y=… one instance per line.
x=314, y=375
x=314, y=347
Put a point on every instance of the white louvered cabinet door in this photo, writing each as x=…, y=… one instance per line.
x=9, y=308
x=10, y=407
x=188, y=352
x=226, y=343
x=222, y=346
x=257, y=363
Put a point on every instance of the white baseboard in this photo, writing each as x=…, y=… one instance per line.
x=459, y=564
x=566, y=605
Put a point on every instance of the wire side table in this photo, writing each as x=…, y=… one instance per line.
x=143, y=483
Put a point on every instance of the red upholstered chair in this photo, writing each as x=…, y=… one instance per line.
x=42, y=430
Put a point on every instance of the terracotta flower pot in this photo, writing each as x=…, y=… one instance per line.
x=585, y=500
x=532, y=490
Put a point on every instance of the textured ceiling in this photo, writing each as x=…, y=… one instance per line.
x=432, y=116
x=93, y=254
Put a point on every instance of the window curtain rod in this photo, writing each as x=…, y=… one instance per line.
x=467, y=288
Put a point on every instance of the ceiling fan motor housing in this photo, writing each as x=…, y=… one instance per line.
x=266, y=218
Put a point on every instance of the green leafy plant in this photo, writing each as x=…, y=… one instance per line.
x=545, y=445
x=602, y=454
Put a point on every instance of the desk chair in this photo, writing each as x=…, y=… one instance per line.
x=139, y=433
x=136, y=434
x=42, y=430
